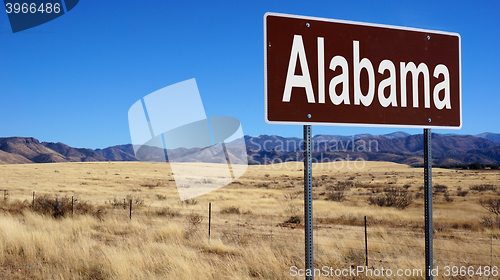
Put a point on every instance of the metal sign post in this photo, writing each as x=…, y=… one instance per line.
x=428, y=203
x=308, y=207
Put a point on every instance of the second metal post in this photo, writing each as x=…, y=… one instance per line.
x=428, y=203
x=308, y=207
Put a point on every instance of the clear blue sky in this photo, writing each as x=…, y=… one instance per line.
x=73, y=79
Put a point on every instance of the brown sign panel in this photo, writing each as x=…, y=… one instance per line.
x=331, y=72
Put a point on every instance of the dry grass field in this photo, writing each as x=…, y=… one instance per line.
x=256, y=230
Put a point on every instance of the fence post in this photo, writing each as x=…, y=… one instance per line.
x=131, y=209
x=366, y=245
x=4, y=194
x=209, y=218
x=72, y=206
x=33, y=204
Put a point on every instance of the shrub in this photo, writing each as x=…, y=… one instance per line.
x=354, y=257
x=483, y=187
x=290, y=206
x=161, y=196
x=440, y=188
x=60, y=207
x=338, y=196
x=490, y=222
x=125, y=203
x=447, y=197
x=230, y=210
x=392, y=197
x=295, y=219
x=190, y=201
x=492, y=205
x=168, y=212
x=462, y=193
x=194, y=220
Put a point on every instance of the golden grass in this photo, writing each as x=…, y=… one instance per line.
x=162, y=241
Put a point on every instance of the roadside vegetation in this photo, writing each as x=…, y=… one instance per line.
x=78, y=225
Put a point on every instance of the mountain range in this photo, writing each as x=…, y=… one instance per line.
x=400, y=147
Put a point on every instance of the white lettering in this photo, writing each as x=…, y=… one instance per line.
x=321, y=70
x=293, y=80
x=389, y=82
x=415, y=72
x=445, y=84
x=387, y=91
x=358, y=66
x=340, y=79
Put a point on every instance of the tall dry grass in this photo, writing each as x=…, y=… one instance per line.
x=165, y=239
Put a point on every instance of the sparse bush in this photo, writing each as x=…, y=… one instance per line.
x=194, y=219
x=350, y=220
x=439, y=188
x=264, y=185
x=490, y=222
x=354, y=257
x=59, y=207
x=125, y=203
x=161, y=196
x=14, y=206
x=338, y=196
x=342, y=186
x=290, y=206
x=483, y=187
x=447, y=197
x=295, y=219
x=392, y=197
x=230, y=210
x=462, y=193
x=190, y=201
x=167, y=212
x=492, y=205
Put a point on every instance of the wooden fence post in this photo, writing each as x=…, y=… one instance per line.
x=209, y=218
x=131, y=209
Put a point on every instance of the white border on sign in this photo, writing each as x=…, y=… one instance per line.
x=364, y=24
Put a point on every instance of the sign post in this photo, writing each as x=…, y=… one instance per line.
x=308, y=201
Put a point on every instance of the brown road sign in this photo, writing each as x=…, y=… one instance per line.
x=331, y=72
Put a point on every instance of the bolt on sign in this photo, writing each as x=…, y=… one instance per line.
x=331, y=72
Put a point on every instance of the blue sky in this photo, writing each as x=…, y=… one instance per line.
x=73, y=79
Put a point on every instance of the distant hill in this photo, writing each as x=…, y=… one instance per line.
x=495, y=137
x=400, y=147
x=30, y=149
x=73, y=154
x=446, y=150
x=117, y=153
